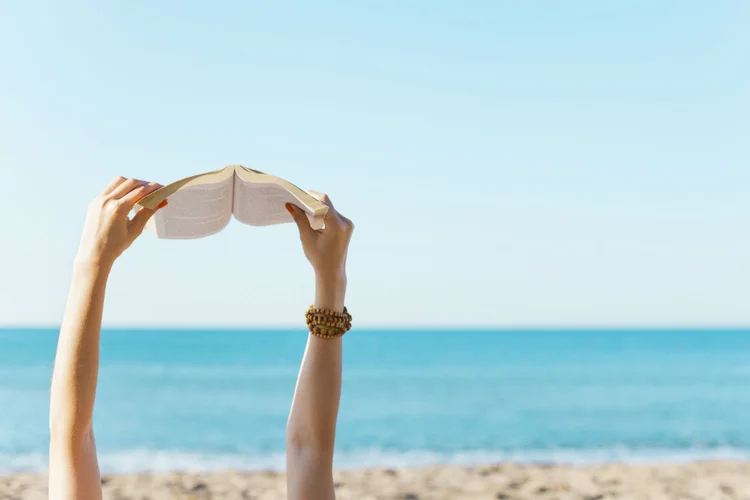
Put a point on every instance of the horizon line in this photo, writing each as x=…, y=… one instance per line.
x=449, y=327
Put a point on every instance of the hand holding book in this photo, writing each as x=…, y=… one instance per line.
x=326, y=250
x=107, y=231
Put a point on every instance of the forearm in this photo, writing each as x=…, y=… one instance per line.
x=312, y=420
x=76, y=368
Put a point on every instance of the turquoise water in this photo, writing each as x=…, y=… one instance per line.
x=172, y=399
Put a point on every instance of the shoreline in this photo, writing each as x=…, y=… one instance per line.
x=504, y=481
x=134, y=461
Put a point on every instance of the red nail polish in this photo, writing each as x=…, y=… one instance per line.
x=289, y=208
x=162, y=204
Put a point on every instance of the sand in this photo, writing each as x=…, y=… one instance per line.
x=698, y=481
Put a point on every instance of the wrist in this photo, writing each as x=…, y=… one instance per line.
x=330, y=291
x=87, y=264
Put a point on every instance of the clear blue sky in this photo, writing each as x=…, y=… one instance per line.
x=505, y=163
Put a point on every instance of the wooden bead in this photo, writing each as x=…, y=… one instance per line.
x=327, y=324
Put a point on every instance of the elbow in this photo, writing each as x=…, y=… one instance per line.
x=296, y=438
x=65, y=428
x=307, y=442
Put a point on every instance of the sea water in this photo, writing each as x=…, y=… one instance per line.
x=217, y=399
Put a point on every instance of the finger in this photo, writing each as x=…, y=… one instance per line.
x=139, y=193
x=125, y=188
x=347, y=222
x=300, y=217
x=112, y=185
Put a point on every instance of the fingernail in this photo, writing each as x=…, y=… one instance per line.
x=162, y=204
x=289, y=208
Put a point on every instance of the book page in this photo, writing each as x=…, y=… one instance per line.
x=262, y=204
x=196, y=210
x=260, y=199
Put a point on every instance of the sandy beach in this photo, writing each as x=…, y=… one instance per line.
x=699, y=481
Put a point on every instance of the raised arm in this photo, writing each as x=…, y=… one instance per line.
x=73, y=467
x=311, y=428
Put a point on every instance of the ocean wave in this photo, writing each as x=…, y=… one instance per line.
x=144, y=460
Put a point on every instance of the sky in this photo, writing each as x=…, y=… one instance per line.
x=506, y=164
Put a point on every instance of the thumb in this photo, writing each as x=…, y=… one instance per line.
x=139, y=220
x=300, y=218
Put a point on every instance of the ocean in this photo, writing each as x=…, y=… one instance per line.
x=217, y=399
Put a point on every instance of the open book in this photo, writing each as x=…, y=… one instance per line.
x=204, y=204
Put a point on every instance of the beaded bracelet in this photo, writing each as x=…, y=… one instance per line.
x=327, y=324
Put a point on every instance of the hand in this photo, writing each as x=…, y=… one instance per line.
x=108, y=231
x=325, y=249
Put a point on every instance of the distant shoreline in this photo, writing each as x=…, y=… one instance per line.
x=386, y=329
x=143, y=461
